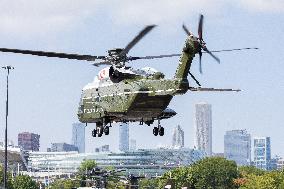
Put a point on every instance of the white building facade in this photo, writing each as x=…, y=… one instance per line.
x=178, y=137
x=203, y=127
x=262, y=152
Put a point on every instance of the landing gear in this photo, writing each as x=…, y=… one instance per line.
x=94, y=133
x=100, y=130
x=155, y=131
x=106, y=130
x=159, y=130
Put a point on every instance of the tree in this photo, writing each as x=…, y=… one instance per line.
x=9, y=181
x=246, y=170
x=178, y=178
x=24, y=182
x=259, y=182
x=209, y=173
x=267, y=180
x=148, y=183
x=65, y=184
x=86, y=166
x=84, y=170
x=213, y=173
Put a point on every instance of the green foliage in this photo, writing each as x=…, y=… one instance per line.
x=116, y=185
x=213, y=173
x=258, y=182
x=86, y=165
x=148, y=183
x=24, y=182
x=179, y=177
x=65, y=184
x=267, y=180
x=246, y=170
x=9, y=181
x=209, y=173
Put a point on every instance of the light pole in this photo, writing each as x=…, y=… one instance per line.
x=8, y=68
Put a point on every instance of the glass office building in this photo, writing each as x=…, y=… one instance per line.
x=262, y=152
x=237, y=146
x=148, y=162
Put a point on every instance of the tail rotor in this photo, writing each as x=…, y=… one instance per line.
x=202, y=43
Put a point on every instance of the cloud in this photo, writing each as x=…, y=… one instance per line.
x=50, y=17
x=38, y=17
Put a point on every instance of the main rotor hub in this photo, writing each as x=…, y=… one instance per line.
x=115, y=56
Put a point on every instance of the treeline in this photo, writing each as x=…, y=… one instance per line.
x=217, y=173
x=208, y=173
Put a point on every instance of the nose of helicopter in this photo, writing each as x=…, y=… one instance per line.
x=167, y=113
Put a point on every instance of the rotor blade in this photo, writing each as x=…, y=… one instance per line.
x=137, y=39
x=240, y=49
x=212, y=89
x=53, y=54
x=173, y=55
x=215, y=57
x=101, y=63
x=196, y=81
x=200, y=27
x=200, y=65
x=152, y=57
x=186, y=30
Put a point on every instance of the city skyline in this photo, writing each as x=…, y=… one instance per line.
x=44, y=93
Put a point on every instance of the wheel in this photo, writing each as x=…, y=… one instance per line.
x=106, y=130
x=94, y=133
x=161, y=131
x=155, y=131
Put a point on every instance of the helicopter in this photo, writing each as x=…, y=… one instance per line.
x=120, y=93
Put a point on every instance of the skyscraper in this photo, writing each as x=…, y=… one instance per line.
x=262, y=152
x=28, y=141
x=124, y=137
x=178, y=137
x=203, y=127
x=237, y=146
x=78, y=136
x=132, y=145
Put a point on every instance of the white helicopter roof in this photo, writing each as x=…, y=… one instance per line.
x=103, y=76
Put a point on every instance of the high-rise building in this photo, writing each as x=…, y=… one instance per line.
x=178, y=137
x=124, y=137
x=203, y=127
x=132, y=145
x=28, y=141
x=280, y=164
x=237, y=146
x=78, y=136
x=63, y=147
x=262, y=152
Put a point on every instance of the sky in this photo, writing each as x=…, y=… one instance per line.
x=44, y=92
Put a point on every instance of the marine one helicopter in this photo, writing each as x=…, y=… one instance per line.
x=120, y=93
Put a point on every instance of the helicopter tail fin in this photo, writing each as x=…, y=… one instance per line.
x=188, y=52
